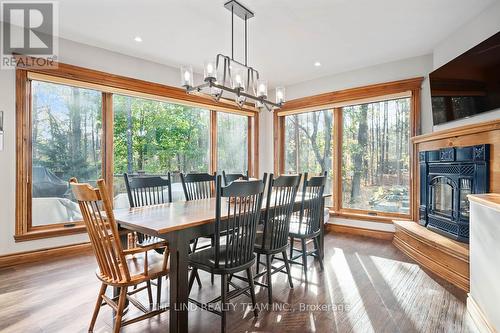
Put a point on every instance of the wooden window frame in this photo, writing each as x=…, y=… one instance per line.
x=336, y=101
x=108, y=84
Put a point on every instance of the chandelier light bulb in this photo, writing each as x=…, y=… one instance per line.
x=238, y=81
x=262, y=88
x=210, y=71
x=280, y=95
x=187, y=76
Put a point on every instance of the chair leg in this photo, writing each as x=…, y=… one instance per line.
x=121, y=305
x=292, y=240
x=150, y=294
x=212, y=278
x=198, y=281
x=304, y=256
x=252, y=291
x=223, y=302
x=258, y=263
x=269, y=279
x=318, y=252
x=97, y=307
x=158, y=293
x=287, y=266
x=193, y=275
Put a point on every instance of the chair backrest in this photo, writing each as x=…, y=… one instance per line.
x=281, y=193
x=231, y=177
x=198, y=185
x=312, y=200
x=148, y=190
x=102, y=229
x=242, y=200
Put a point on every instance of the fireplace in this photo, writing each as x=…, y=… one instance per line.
x=447, y=176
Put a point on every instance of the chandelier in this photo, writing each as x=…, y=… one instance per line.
x=227, y=78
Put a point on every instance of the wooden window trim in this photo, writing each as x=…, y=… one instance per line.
x=335, y=100
x=108, y=84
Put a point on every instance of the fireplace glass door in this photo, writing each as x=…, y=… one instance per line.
x=442, y=196
x=465, y=189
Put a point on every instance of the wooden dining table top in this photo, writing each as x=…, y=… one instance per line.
x=161, y=219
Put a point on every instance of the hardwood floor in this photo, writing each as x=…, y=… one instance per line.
x=367, y=286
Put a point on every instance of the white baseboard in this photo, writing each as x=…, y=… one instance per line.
x=478, y=318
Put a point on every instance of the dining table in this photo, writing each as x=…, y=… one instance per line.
x=178, y=223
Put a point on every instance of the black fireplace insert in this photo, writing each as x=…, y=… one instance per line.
x=447, y=176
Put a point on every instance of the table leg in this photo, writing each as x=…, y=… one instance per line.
x=179, y=291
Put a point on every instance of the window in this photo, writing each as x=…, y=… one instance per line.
x=76, y=122
x=232, y=143
x=308, y=144
x=375, y=156
x=155, y=138
x=362, y=138
x=66, y=142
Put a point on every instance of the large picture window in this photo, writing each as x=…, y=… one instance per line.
x=66, y=142
x=362, y=138
x=376, y=156
x=308, y=144
x=232, y=143
x=74, y=122
x=154, y=138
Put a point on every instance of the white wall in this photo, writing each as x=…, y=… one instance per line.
x=469, y=35
x=70, y=53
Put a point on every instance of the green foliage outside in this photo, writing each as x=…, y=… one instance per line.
x=157, y=137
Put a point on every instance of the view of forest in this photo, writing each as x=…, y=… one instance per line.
x=66, y=133
x=156, y=137
x=66, y=140
x=308, y=144
x=375, y=156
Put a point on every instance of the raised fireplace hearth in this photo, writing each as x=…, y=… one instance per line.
x=447, y=176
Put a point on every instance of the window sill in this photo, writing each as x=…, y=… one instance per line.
x=48, y=232
x=367, y=217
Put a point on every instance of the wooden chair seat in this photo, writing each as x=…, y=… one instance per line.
x=151, y=241
x=299, y=230
x=136, y=267
x=205, y=259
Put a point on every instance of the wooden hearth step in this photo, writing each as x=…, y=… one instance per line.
x=445, y=257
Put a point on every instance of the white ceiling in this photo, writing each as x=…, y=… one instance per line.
x=286, y=37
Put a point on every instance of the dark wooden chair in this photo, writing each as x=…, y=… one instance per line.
x=147, y=190
x=305, y=225
x=234, y=238
x=272, y=238
x=231, y=177
x=198, y=186
x=118, y=267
